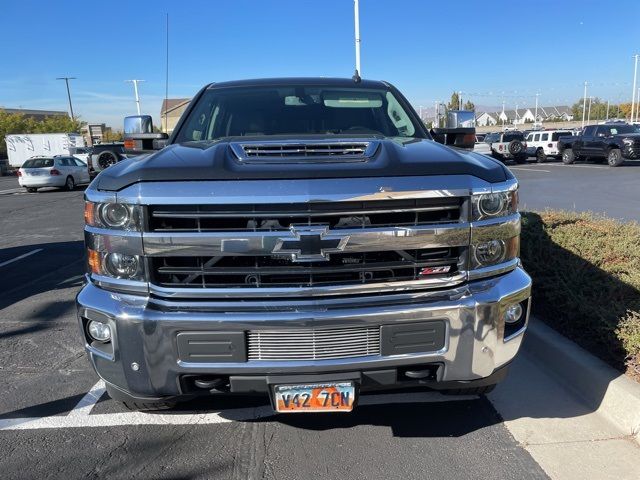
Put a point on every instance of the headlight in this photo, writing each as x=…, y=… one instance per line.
x=491, y=205
x=490, y=253
x=494, y=252
x=120, y=216
x=115, y=265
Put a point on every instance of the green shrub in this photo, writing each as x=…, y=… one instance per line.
x=586, y=281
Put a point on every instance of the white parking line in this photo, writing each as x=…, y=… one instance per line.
x=13, y=190
x=530, y=169
x=80, y=416
x=20, y=257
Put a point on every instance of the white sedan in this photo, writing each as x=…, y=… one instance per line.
x=59, y=171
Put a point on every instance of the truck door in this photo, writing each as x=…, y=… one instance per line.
x=585, y=144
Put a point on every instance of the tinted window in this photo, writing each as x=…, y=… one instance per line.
x=544, y=137
x=296, y=110
x=79, y=162
x=509, y=137
x=589, y=131
x=536, y=137
x=556, y=135
x=65, y=162
x=38, y=163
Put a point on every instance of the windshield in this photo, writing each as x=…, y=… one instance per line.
x=38, y=163
x=308, y=110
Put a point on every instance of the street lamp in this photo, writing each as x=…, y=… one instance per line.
x=584, y=103
x=356, y=16
x=66, y=80
x=633, y=94
x=135, y=91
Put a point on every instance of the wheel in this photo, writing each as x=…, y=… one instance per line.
x=32, y=189
x=614, y=157
x=132, y=403
x=69, y=184
x=516, y=148
x=106, y=159
x=469, y=391
x=568, y=157
x=540, y=156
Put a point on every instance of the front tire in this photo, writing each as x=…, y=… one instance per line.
x=568, y=157
x=70, y=184
x=541, y=157
x=32, y=189
x=614, y=157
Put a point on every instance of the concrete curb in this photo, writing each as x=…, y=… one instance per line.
x=607, y=391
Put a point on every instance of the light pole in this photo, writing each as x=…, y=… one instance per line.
x=135, y=91
x=607, y=116
x=536, y=114
x=460, y=100
x=589, y=114
x=633, y=94
x=66, y=80
x=356, y=14
x=638, y=107
x=584, y=103
x=436, y=114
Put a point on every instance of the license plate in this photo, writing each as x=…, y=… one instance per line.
x=315, y=397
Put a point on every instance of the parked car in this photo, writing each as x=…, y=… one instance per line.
x=59, y=171
x=310, y=244
x=104, y=155
x=612, y=143
x=81, y=152
x=544, y=145
x=509, y=145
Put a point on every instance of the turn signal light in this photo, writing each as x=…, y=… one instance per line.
x=89, y=213
x=94, y=260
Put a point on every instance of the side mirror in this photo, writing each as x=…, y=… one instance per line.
x=459, y=131
x=139, y=136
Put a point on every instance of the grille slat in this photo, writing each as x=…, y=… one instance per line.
x=313, y=344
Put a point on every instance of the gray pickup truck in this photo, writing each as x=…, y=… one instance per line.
x=305, y=239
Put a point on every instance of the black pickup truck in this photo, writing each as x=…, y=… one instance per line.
x=611, y=142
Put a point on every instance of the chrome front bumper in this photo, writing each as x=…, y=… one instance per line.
x=145, y=332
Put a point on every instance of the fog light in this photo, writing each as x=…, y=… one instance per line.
x=99, y=331
x=490, y=253
x=120, y=265
x=513, y=314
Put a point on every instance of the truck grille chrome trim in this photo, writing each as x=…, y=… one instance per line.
x=278, y=152
x=313, y=344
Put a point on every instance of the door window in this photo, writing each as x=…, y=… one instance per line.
x=536, y=137
x=544, y=137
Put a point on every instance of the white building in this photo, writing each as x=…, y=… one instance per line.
x=486, y=119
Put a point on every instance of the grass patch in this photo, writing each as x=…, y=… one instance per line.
x=586, y=281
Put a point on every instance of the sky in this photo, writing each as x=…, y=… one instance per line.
x=492, y=50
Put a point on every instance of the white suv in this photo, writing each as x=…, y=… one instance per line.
x=544, y=144
x=508, y=145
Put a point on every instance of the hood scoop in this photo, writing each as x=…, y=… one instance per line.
x=288, y=152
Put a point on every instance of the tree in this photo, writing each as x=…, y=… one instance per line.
x=454, y=104
x=469, y=105
x=111, y=136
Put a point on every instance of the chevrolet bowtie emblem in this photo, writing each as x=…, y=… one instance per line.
x=310, y=244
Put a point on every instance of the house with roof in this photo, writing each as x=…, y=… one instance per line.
x=486, y=119
x=171, y=111
x=38, y=115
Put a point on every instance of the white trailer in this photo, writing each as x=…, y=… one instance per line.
x=21, y=147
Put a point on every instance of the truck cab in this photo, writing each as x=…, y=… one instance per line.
x=612, y=143
x=305, y=239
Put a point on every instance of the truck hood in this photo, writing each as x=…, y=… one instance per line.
x=216, y=161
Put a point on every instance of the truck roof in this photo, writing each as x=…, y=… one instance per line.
x=333, y=82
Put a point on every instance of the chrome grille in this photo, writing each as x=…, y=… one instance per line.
x=280, y=271
x=313, y=344
x=280, y=217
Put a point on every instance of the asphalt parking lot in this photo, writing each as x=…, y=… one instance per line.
x=55, y=421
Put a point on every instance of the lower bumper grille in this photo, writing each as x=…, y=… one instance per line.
x=313, y=344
